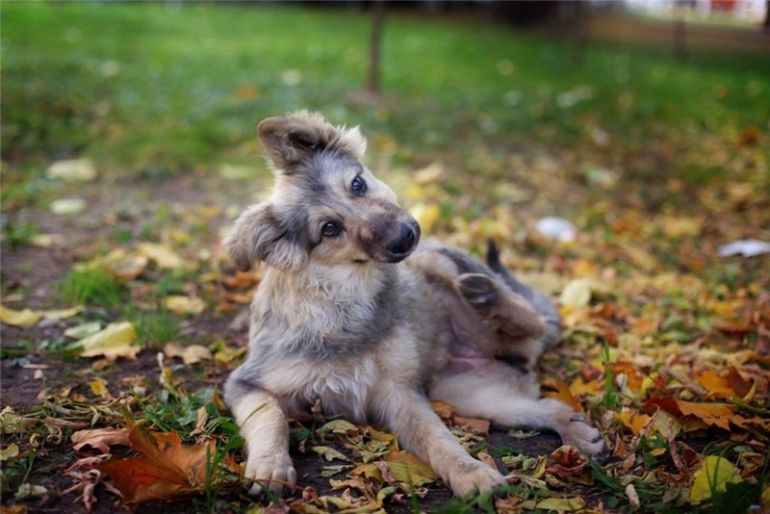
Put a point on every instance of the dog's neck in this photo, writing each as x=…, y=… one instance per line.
x=331, y=308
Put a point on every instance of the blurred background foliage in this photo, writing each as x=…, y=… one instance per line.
x=164, y=88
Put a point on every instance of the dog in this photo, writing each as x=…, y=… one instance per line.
x=354, y=314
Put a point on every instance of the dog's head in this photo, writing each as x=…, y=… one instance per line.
x=326, y=207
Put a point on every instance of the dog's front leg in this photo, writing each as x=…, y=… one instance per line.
x=409, y=415
x=263, y=425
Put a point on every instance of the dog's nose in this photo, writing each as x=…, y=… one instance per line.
x=405, y=241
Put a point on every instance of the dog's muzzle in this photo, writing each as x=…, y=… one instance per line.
x=399, y=248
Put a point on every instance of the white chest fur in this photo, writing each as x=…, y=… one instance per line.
x=342, y=387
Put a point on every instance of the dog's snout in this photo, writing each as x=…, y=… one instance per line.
x=404, y=241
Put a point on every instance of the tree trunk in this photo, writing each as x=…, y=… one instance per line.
x=375, y=40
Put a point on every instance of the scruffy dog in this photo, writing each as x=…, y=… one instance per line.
x=354, y=316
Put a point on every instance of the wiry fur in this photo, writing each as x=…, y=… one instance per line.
x=369, y=325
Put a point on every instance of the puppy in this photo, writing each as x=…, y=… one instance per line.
x=353, y=315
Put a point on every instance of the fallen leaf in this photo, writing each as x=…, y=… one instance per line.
x=426, y=215
x=635, y=421
x=337, y=426
x=163, y=256
x=9, y=452
x=407, y=468
x=84, y=330
x=99, y=387
x=329, y=453
x=561, y=504
x=480, y=426
x=27, y=490
x=443, y=409
x=430, y=173
x=577, y=293
x=23, y=318
x=165, y=470
x=713, y=476
x=27, y=317
x=192, y=354
x=562, y=393
x=717, y=414
x=184, y=304
x=715, y=384
x=72, y=170
x=67, y=206
x=100, y=438
x=112, y=342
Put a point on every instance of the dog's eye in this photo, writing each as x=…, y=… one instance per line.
x=358, y=185
x=331, y=228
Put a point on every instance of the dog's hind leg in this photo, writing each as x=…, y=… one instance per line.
x=507, y=397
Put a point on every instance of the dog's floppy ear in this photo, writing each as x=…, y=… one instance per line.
x=289, y=141
x=259, y=236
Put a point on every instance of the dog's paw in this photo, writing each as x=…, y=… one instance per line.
x=472, y=476
x=578, y=433
x=478, y=289
x=271, y=472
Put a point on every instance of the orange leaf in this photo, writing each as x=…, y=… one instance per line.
x=166, y=469
x=101, y=438
x=718, y=414
x=480, y=426
x=636, y=422
x=443, y=409
x=562, y=393
x=715, y=385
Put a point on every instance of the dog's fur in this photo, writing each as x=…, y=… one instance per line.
x=369, y=326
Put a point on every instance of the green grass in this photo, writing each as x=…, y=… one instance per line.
x=93, y=287
x=154, y=329
x=158, y=88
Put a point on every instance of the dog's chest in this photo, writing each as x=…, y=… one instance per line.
x=340, y=388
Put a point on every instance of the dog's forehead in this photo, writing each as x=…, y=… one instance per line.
x=325, y=169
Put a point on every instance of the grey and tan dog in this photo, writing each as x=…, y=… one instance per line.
x=354, y=316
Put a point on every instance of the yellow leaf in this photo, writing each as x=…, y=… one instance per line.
x=329, y=453
x=112, y=342
x=337, y=426
x=184, y=304
x=561, y=504
x=406, y=467
x=429, y=173
x=9, y=452
x=163, y=256
x=713, y=477
x=635, y=421
x=16, y=318
x=190, y=354
x=99, y=387
x=577, y=293
x=562, y=393
x=27, y=317
x=426, y=216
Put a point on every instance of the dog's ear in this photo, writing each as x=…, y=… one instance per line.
x=259, y=236
x=289, y=141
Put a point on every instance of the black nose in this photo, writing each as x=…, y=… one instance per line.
x=405, y=241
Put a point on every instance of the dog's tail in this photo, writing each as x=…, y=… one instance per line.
x=542, y=304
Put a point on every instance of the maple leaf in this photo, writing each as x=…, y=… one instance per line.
x=717, y=414
x=562, y=393
x=166, y=469
x=715, y=384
